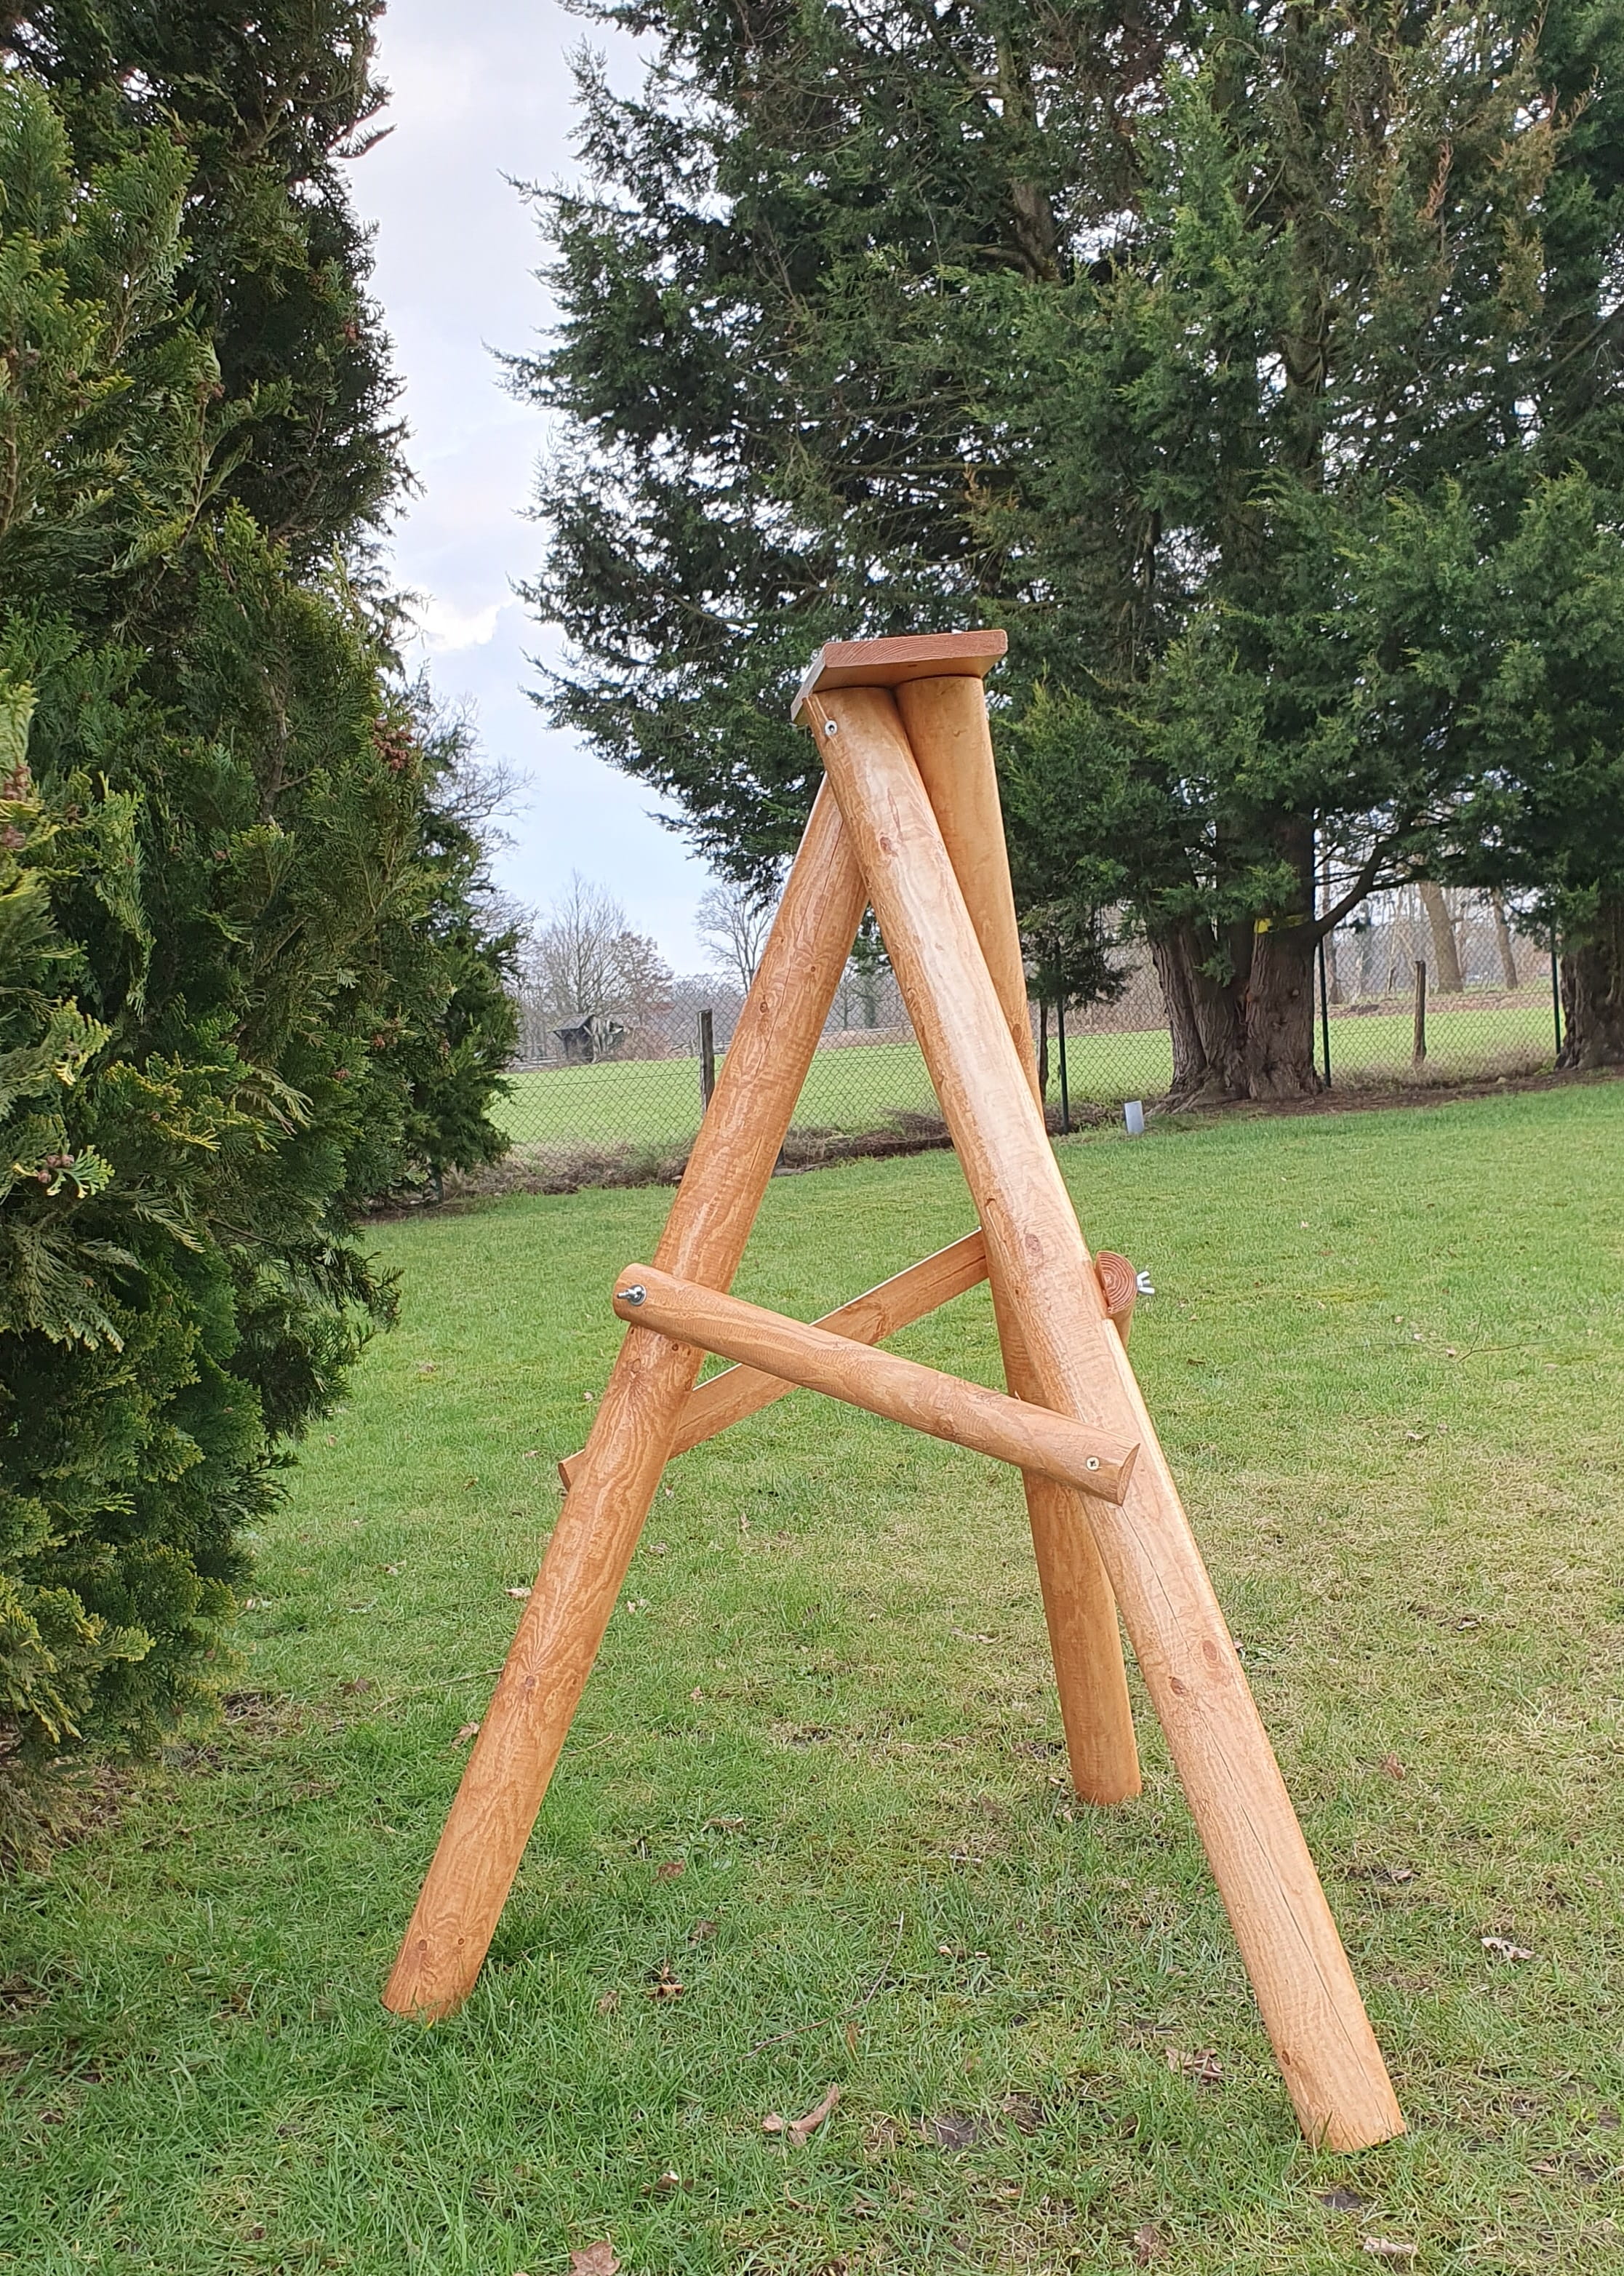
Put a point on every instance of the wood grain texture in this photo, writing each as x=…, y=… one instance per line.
x=879, y=1312
x=946, y=720
x=1120, y=1286
x=1322, y=2037
x=883, y=1383
x=565, y=1619
x=892, y=662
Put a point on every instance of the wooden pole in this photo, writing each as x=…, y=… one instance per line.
x=738, y=1392
x=706, y=1057
x=1310, y=2005
x=585, y=1562
x=881, y=1382
x=945, y=721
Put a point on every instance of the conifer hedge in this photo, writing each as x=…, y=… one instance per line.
x=246, y=981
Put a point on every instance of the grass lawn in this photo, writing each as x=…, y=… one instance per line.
x=854, y=1088
x=817, y=1777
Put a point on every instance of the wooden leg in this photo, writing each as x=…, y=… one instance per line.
x=603, y=1515
x=946, y=725
x=1321, y=2037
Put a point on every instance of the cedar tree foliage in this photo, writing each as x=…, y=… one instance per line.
x=1189, y=342
x=245, y=978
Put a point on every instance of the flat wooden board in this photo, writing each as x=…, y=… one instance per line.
x=889, y=663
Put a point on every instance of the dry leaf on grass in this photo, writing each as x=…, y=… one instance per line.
x=468, y=1731
x=702, y=1932
x=610, y=2001
x=664, y=1985
x=1391, y=2249
x=1150, y=2245
x=670, y=1870
x=796, y=2129
x=595, y=2260
x=1203, y=2068
x=1024, y=2112
x=1391, y=1767
x=1500, y=1947
x=1341, y=2200
x=518, y=1592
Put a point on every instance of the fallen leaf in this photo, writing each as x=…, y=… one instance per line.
x=1024, y=2112
x=727, y=1824
x=1150, y=2244
x=596, y=2260
x=468, y=1731
x=356, y=1685
x=1391, y=1767
x=702, y=1931
x=426, y=1366
x=610, y=2001
x=530, y=1453
x=1203, y=2068
x=772, y=2123
x=659, y=1548
x=696, y=1695
x=1390, y=2249
x=952, y=2130
x=1500, y=1947
x=882, y=2135
x=671, y=2179
x=815, y=2117
x=670, y=1868
x=665, y=1985
x=518, y=1592
x=1342, y=2200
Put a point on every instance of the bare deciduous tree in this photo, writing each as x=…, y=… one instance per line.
x=733, y=922
x=583, y=961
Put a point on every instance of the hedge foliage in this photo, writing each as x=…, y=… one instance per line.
x=245, y=978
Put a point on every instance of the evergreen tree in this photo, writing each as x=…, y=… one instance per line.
x=245, y=981
x=266, y=106
x=1129, y=332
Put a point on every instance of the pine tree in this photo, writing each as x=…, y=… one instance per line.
x=1131, y=334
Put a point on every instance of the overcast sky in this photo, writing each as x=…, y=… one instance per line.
x=482, y=92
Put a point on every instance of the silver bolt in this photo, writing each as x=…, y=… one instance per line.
x=1092, y=1463
x=636, y=1295
x=831, y=726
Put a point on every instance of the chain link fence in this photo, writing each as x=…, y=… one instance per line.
x=1425, y=986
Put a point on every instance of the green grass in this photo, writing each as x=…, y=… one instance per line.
x=853, y=1089
x=1388, y=1353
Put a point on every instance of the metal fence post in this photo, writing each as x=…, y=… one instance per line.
x=1420, y=1053
x=706, y=1057
x=1556, y=994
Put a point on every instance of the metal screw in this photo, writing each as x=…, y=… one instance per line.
x=636, y=1295
x=831, y=726
x=1092, y=1462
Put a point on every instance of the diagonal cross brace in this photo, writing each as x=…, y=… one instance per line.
x=945, y=1405
x=739, y=1392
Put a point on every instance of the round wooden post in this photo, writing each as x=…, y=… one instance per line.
x=946, y=725
x=585, y=1562
x=1310, y=2005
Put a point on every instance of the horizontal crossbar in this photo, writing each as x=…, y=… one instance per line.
x=881, y=1311
x=967, y=1413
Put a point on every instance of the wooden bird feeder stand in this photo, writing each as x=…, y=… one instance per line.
x=908, y=821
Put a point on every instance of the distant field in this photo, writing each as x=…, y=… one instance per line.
x=857, y=1088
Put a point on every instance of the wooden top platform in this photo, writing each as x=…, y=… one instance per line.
x=888, y=663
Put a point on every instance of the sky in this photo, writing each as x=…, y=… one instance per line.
x=480, y=94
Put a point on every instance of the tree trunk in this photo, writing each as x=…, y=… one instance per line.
x=1503, y=940
x=1593, y=992
x=1209, y=1054
x=1446, y=969
x=1279, y=1015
